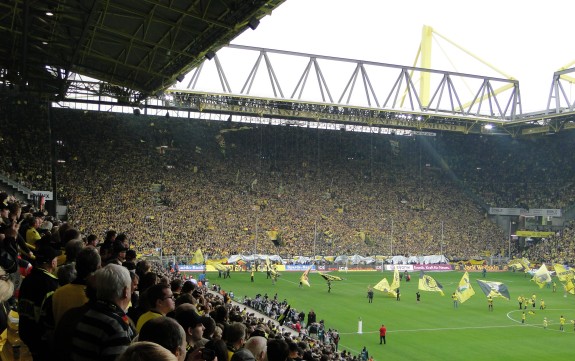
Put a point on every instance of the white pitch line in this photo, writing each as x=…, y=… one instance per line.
x=438, y=329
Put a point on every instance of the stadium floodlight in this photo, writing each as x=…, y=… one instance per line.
x=488, y=126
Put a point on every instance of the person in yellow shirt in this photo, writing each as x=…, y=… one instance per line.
x=455, y=300
x=561, y=323
x=541, y=304
x=521, y=299
x=32, y=234
x=161, y=298
x=523, y=317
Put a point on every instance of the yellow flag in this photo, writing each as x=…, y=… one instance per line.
x=218, y=266
x=395, y=282
x=428, y=283
x=383, y=286
x=198, y=257
x=562, y=273
x=542, y=276
x=464, y=291
x=569, y=287
x=304, y=279
x=329, y=277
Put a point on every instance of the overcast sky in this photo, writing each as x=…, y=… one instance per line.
x=524, y=39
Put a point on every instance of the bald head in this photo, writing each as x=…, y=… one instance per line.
x=257, y=346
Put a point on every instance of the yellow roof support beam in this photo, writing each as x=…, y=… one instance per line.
x=425, y=51
x=424, y=55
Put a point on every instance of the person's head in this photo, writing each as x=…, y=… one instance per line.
x=4, y=209
x=131, y=256
x=294, y=350
x=15, y=210
x=38, y=219
x=277, y=350
x=147, y=280
x=218, y=332
x=113, y=284
x=87, y=261
x=68, y=235
x=119, y=249
x=188, y=287
x=160, y=298
x=176, y=285
x=66, y=273
x=146, y=351
x=46, y=256
x=235, y=335
x=143, y=267
x=110, y=236
x=166, y=332
x=135, y=281
x=221, y=314
x=191, y=321
x=219, y=347
x=92, y=240
x=73, y=247
x=257, y=346
x=209, y=327
x=185, y=298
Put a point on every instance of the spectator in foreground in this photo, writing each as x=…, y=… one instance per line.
x=146, y=351
x=166, y=332
x=114, y=333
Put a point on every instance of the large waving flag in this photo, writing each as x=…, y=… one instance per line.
x=283, y=316
x=218, y=265
x=384, y=286
x=270, y=267
x=268, y=264
x=525, y=263
x=464, y=291
x=395, y=282
x=519, y=264
x=329, y=277
x=198, y=257
x=563, y=273
x=494, y=289
x=569, y=287
x=304, y=279
x=427, y=283
x=542, y=276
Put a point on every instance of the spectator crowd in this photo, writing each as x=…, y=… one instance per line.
x=135, y=185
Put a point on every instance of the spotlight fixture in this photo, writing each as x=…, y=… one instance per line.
x=210, y=55
x=180, y=78
x=253, y=23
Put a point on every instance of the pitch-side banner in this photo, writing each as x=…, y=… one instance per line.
x=418, y=267
x=536, y=212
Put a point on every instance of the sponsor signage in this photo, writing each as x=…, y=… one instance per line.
x=432, y=267
x=298, y=267
x=535, y=212
x=48, y=195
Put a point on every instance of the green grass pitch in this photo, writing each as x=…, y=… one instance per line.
x=431, y=329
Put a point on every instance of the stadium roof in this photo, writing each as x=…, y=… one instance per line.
x=140, y=46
